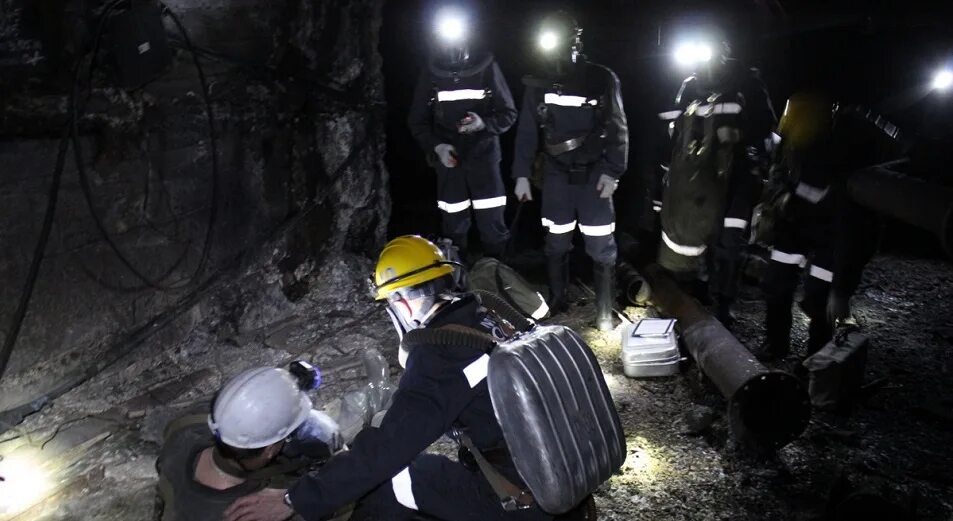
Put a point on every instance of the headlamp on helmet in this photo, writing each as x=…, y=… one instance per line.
x=451, y=26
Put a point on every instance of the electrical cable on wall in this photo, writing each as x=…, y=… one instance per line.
x=71, y=136
x=149, y=282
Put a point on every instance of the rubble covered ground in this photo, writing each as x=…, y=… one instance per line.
x=91, y=453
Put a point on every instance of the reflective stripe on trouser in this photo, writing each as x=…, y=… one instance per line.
x=473, y=186
x=801, y=242
x=440, y=488
x=566, y=207
x=779, y=285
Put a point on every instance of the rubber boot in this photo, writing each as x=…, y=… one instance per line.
x=723, y=311
x=603, y=276
x=777, y=342
x=557, y=269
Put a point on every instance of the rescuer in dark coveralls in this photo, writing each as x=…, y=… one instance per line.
x=442, y=388
x=804, y=227
x=574, y=117
x=721, y=124
x=460, y=107
x=811, y=223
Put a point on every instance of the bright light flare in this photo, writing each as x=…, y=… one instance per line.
x=24, y=483
x=943, y=79
x=694, y=53
x=548, y=40
x=451, y=27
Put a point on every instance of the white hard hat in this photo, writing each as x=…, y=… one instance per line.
x=258, y=407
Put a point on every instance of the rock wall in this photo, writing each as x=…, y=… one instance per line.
x=296, y=92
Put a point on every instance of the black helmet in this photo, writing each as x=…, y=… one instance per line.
x=452, y=38
x=560, y=39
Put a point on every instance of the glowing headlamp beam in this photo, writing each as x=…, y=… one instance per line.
x=451, y=28
x=694, y=53
x=548, y=40
x=943, y=79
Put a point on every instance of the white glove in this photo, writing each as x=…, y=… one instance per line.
x=471, y=123
x=522, y=191
x=447, y=154
x=606, y=186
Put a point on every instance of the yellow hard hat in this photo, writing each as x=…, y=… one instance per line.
x=807, y=119
x=408, y=261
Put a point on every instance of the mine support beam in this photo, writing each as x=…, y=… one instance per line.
x=914, y=201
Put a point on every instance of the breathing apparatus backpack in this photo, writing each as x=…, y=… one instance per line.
x=696, y=188
x=552, y=403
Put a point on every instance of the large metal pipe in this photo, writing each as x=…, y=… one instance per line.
x=766, y=409
x=914, y=201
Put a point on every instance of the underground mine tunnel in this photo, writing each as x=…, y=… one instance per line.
x=460, y=260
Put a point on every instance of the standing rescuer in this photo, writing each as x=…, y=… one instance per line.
x=807, y=219
x=574, y=117
x=460, y=107
x=803, y=235
x=721, y=126
x=443, y=387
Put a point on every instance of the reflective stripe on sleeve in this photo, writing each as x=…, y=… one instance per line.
x=558, y=228
x=718, y=108
x=810, y=193
x=788, y=258
x=453, y=207
x=597, y=231
x=820, y=273
x=403, y=489
x=462, y=94
x=687, y=251
x=552, y=98
x=492, y=202
x=542, y=310
x=670, y=115
x=732, y=222
x=476, y=371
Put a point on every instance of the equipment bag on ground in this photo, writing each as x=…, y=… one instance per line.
x=555, y=410
x=489, y=274
x=837, y=370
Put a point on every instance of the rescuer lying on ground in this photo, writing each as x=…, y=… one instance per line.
x=262, y=432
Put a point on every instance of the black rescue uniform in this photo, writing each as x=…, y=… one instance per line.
x=442, y=388
x=714, y=179
x=819, y=230
x=804, y=239
x=443, y=96
x=579, y=125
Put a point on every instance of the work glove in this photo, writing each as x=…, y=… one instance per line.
x=522, y=191
x=606, y=186
x=447, y=154
x=728, y=134
x=471, y=123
